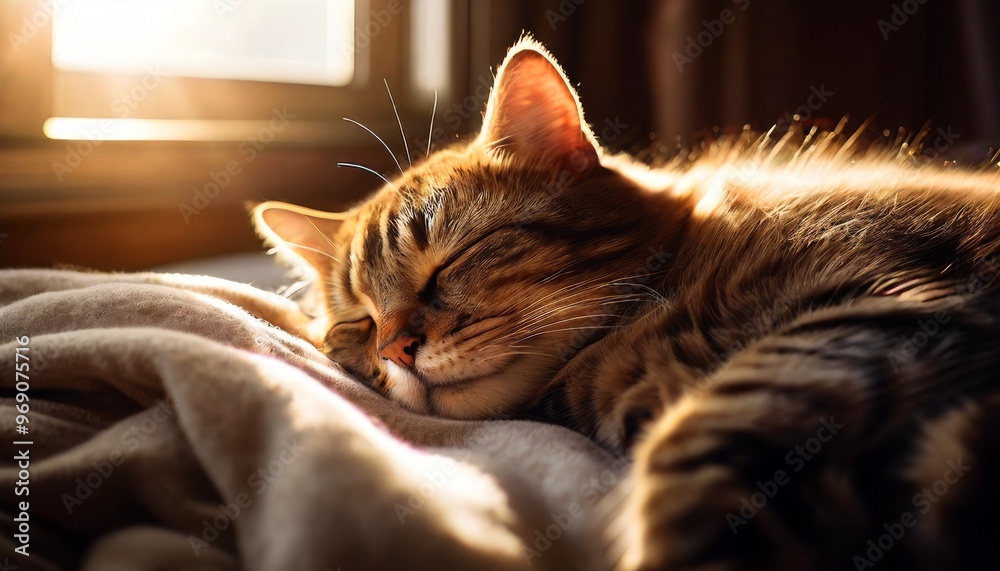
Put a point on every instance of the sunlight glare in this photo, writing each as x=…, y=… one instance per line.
x=305, y=41
x=431, y=46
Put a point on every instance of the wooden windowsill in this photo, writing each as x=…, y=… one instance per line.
x=132, y=205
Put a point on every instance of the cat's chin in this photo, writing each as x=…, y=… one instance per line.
x=407, y=389
x=474, y=397
x=427, y=396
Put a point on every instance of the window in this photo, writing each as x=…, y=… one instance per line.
x=305, y=41
x=216, y=69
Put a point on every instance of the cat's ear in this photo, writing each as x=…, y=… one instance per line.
x=299, y=234
x=533, y=110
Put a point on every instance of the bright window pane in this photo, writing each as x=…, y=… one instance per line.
x=289, y=41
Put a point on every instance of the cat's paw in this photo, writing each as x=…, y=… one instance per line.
x=684, y=512
x=632, y=416
x=634, y=410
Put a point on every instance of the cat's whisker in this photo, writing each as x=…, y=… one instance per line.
x=516, y=344
x=627, y=280
x=399, y=121
x=293, y=288
x=588, y=316
x=656, y=295
x=544, y=313
x=498, y=147
x=539, y=326
x=567, y=304
x=499, y=143
x=527, y=332
x=364, y=168
x=430, y=133
x=314, y=250
x=546, y=303
x=648, y=275
x=535, y=330
x=591, y=295
x=563, y=330
x=391, y=154
x=553, y=276
x=328, y=239
x=556, y=309
x=574, y=285
x=569, y=288
x=515, y=353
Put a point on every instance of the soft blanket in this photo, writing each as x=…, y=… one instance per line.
x=165, y=421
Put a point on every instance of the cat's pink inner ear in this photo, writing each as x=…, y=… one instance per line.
x=299, y=234
x=533, y=110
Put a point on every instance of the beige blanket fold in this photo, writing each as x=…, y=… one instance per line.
x=185, y=422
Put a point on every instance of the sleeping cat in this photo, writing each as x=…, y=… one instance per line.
x=798, y=342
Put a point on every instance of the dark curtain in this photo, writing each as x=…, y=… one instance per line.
x=680, y=68
x=903, y=61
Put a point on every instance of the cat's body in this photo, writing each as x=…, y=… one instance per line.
x=776, y=247
x=800, y=337
x=848, y=337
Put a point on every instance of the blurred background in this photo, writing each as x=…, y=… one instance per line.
x=132, y=132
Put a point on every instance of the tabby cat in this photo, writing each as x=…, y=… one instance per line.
x=797, y=341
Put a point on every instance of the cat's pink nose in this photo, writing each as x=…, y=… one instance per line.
x=402, y=350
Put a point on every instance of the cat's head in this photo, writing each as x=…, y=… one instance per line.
x=466, y=282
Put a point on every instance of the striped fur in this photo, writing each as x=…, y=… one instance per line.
x=803, y=305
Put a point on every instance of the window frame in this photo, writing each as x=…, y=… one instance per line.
x=32, y=90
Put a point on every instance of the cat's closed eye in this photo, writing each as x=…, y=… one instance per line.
x=429, y=292
x=358, y=321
